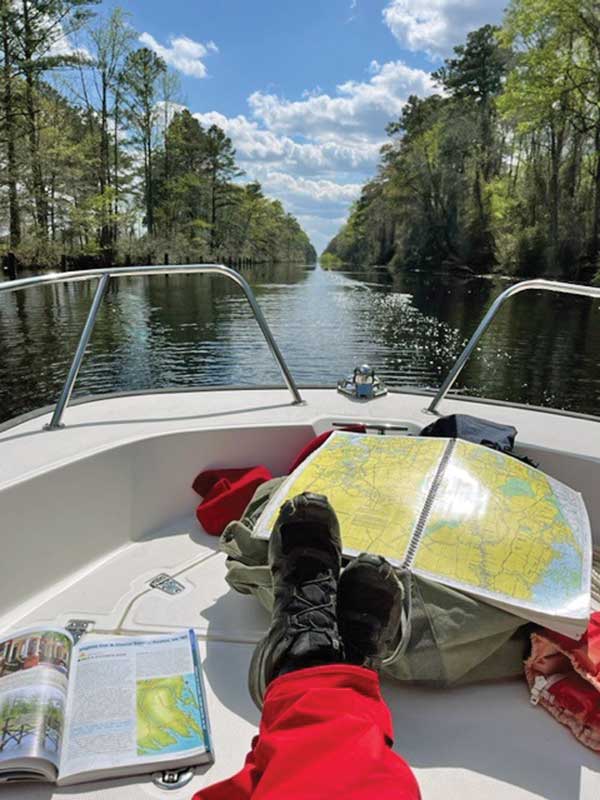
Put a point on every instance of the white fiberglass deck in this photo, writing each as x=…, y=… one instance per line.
x=91, y=513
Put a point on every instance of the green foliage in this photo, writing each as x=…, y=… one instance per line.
x=108, y=165
x=199, y=204
x=502, y=168
x=478, y=70
x=330, y=261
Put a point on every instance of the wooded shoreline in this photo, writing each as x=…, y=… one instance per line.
x=101, y=163
x=11, y=268
x=498, y=168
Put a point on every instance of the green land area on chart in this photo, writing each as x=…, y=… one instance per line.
x=168, y=715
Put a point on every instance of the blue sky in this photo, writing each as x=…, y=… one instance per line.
x=305, y=89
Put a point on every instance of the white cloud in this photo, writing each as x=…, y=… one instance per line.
x=321, y=227
x=321, y=191
x=359, y=111
x=63, y=46
x=182, y=53
x=315, y=180
x=320, y=205
x=436, y=26
x=315, y=153
x=255, y=144
x=164, y=111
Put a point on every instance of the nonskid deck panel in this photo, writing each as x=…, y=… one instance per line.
x=475, y=741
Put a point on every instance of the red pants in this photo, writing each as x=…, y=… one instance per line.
x=325, y=733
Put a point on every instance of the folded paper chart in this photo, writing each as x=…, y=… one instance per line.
x=459, y=514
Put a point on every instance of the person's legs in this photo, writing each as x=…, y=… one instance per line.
x=305, y=555
x=325, y=730
x=325, y=733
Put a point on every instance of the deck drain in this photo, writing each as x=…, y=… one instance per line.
x=173, y=779
x=167, y=584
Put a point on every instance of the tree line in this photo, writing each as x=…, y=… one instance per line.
x=500, y=168
x=100, y=160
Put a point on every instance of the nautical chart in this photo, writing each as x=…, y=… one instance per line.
x=459, y=513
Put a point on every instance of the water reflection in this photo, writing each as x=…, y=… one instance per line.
x=198, y=331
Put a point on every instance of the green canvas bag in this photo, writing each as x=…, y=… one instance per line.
x=448, y=638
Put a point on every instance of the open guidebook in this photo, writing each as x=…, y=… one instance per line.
x=101, y=708
x=460, y=514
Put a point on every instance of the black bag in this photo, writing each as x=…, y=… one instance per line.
x=473, y=429
x=479, y=431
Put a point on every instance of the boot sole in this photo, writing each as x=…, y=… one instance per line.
x=386, y=574
x=256, y=674
x=308, y=516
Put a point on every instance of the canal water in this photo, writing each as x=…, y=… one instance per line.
x=186, y=331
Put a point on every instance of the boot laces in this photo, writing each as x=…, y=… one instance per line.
x=303, y=604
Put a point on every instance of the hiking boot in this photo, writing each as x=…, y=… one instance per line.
x=369, y=610
x=305, y=552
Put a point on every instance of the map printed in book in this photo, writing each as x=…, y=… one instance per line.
x=459, y=514
x=102, y=708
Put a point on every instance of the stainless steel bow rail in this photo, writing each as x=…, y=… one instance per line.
x=517, y=288
x=104, y=277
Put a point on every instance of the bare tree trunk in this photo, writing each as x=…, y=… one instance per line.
x=556, y=147
x=148, y=181
x=213, y=213
x=39, y=189
x=9, y=127
x=116, y=186
x=105, y=233
x=52, y=207
x=595, y=248
x=167, y=169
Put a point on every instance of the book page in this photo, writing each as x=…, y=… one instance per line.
x=132, y=701
x=377, y=486
x=508, y=533
x=34, y=672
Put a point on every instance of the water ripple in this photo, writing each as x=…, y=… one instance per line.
x=197, y=331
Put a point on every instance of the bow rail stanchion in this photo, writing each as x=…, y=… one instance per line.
x=538, y=284
x=67, y=390
x=104, y=277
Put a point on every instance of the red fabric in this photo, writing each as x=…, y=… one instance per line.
x=226, y=493
x=585, y=653
x=325, y=733
x=574, y=700
x=318, y=441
